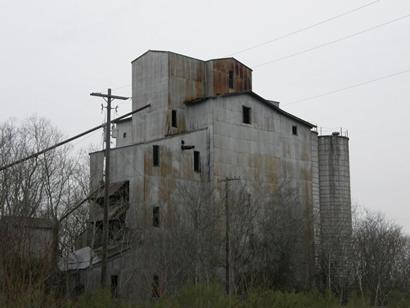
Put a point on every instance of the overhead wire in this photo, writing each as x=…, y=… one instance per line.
x=333, y=41
x=281, y=37
x=350, y=87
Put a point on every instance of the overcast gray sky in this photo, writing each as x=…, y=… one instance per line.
x=54, y=53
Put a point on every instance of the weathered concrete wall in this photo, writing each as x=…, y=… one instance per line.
x=123, y=133
x=150, y=81
x=155, y=185
x=134, y=281
x=264, y=154
x=26, y=237
x=149, y=186
x=187, y=82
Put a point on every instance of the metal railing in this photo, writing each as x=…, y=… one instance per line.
x=327, y=131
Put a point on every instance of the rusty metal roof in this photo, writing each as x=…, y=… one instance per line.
x=175, y=53
x=163, y=51
x=229, y=58
x=257, y=97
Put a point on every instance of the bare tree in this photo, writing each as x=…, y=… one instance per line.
x=266, y=232
x=189, y=238
x=276, y=246
x=380, y=254
x=336, y=270
x=22, y=187
x=46, y=186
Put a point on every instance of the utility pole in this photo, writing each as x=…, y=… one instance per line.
x=227, y=235
x=108, y=98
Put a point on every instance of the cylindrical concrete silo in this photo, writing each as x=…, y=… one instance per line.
x=335, y=201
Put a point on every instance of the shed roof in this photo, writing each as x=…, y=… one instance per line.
x=259, y=98
x=27, y=222
x=79, y=259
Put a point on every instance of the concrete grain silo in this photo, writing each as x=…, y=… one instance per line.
x=335, y=204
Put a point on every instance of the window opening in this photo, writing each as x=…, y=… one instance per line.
x=174, y=118
x=197, y=161
x=155, y=155
x=155, y=286
x=246, y=113
x=295, y=130
x=155, y=216
x=114, y=286
x=230, y=80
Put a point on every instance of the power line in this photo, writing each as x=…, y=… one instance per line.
x=350, y=87
x=281, y=37
x=333, y=41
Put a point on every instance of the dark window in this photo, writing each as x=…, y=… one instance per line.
x=155, y=216
x=155, y=155
x=114, y=286
x=295, y=130
x=174, y=118
x=246, y=113
x=230, y=80
x=124, y=135
x=197, y=161
x=155, y=286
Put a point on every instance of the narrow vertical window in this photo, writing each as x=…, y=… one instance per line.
x=155, y=286
x=230, y=80
x=114, y=286
x=246, y=115
x=295, y=130
x=174, y=118
x=155, y=155
x=197, y=161
x=155, y=216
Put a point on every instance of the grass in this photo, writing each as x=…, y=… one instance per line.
x=202, y=296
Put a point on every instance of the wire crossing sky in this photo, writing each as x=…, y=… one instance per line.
x=348, y=87
x=281, y=37
x=298, y=53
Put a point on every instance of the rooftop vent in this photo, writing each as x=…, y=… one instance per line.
x=274, y=103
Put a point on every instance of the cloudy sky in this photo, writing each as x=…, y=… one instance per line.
x=54, y=53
